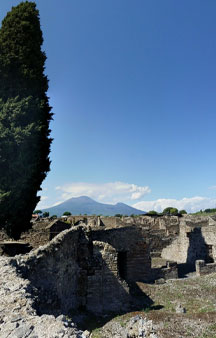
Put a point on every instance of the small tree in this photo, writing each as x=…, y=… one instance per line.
x=67, y=213
x=46, y=214
x=183, y=212
x=24, y=117
x=37, y=212
x=170, y=211
x=152, y=212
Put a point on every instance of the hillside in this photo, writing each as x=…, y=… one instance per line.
x=85, y=205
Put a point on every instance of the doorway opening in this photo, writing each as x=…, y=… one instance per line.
x=209, y=254
x=122, y=264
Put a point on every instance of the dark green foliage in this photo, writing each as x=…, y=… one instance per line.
x=206, y=211
x=24, y=117
x=170, y=211
x=46, y=214
x=67, y=213
x=21, y=58
x=210, y=210
x=152, y=212
x=37, y=212
x=183, y=212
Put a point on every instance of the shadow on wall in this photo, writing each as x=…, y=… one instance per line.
x=197, y=250
x=133, y=252
x=73, y=272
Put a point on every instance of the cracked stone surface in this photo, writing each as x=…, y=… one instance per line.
x=18, y=318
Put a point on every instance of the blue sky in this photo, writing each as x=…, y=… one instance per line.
x=133, y=90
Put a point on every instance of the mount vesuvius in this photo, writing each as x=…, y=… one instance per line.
x=85, y=205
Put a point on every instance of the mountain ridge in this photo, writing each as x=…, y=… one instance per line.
x=86, y=205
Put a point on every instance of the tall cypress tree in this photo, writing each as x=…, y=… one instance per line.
x=25, y=115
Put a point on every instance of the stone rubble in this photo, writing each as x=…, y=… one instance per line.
x=18, y=318
x=140, y=327
x=136, y=327
x=180, y=308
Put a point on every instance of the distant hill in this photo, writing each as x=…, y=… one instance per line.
x=85, y=205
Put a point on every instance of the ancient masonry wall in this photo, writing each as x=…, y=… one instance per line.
x=209, y=234
x=133, y=251
x=204, y=269
x=18, y=317
x=72, y=272
x=105, y=290
x=196, y=241
x=53, y=270
x=178, y=249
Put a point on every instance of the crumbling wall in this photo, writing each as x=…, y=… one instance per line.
x=204, y=269
x=185, y=248
x=56, y=227
x=18, y=317
x=105, y=291
x=86, y=219
x=111, y=221
x=54, y=271
x=73, y=272
x=170, y=224
x=196, y=241
x=134, y=245
x=209, y=234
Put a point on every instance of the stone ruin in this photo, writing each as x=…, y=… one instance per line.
x=93, y=263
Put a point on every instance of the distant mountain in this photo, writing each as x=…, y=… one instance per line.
x=85, y=205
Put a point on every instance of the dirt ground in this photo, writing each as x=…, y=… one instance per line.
x=196, y=296
x=36, y=236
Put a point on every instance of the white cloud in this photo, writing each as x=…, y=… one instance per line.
x=43, y=198
x=192, y=204
x=57, y=203
x=213, y=187
x=42, y=204
x=105, y=192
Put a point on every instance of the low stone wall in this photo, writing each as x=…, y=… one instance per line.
x=170, y=271
x=204, y=269
x=56, y=227
x=111, y=222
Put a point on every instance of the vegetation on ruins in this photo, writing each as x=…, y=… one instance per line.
x=67, y=213
x=24, y=117
x=170, y=211
x=196, y=295
x=37, y=212
x=206, y=212
x=152, y=212
x=119, y=215
x=183, y=212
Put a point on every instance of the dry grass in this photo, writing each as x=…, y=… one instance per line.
x=197, y=295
